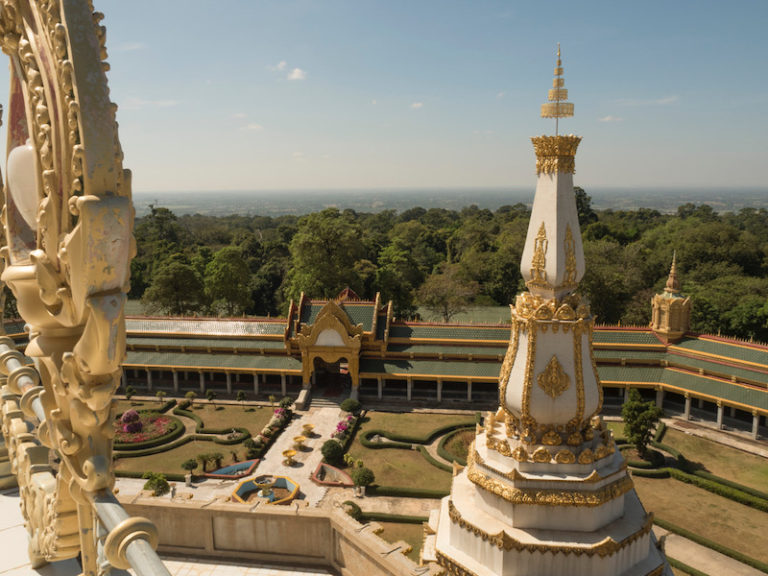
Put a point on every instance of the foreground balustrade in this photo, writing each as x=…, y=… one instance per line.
x=124, y=541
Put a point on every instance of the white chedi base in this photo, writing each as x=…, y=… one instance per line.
x=567, y=553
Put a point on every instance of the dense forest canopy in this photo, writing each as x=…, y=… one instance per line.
x=254, y=265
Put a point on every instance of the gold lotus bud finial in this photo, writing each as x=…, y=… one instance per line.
x=557, y=107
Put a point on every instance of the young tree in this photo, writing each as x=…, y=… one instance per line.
x=241, y=396
x=227, y=281
x=189, y=465
x=211, y=396
x=446, y=293
x=161, y=394
x=639, y=419
x=362, y=476
x=191, y=395
x=130, y=392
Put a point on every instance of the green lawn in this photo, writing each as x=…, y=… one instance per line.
x=214, y=417
x=411, y=533
x=412, y=423
x=725, y=521
x=616, y=427
x=720, y=460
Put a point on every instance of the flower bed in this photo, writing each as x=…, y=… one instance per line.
x=327, y=475
x=143, y=426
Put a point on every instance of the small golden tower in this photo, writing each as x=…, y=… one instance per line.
x=557, y=107
x=671, y=311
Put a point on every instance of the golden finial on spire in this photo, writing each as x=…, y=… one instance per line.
x=557, y=107
x=673, y=284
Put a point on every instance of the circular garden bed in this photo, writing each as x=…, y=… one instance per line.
x=138, y=429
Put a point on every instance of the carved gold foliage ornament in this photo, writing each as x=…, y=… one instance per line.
x=570, y=259
x=71, y=281
x=555, y=154
x=553, y=380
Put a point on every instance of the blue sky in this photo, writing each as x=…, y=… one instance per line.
x=245, y=95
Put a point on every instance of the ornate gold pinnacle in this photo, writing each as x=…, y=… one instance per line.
x=557, y=107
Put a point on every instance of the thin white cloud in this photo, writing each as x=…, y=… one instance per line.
x=610, y=118
x=279, y=67
x=417, y=105
x=297, y=74
x=298, y=155
x=664, y=101
x=239, y=115
x=253, y=127
x=130, y=47
x=141, y=103
x=500, y=95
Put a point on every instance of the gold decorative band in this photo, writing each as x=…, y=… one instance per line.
x=555, y=153
x=539, y=497
x=451, y=566
x=503, y=541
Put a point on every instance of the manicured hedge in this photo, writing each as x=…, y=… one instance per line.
x=743, y=558
x=447, y=455
x=431, y=460
x=730, y=484
x=661, y=429
x=181, y=442
x=351, y=433
x=657, y=459
x=176, y=431
x=405, y=492
x=403, y=441
x=382, y=517
x=690, y=570
x=721, y=490
x=651, y=473
x=199, y=424
x=127, y=474
x=354, y=510
x=167, y=405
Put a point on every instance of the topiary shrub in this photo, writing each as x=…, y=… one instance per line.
x=350, y=405
x=362, y=476
x=158, y=483
x=352, y=509
x=333, y=452
x=286, y=402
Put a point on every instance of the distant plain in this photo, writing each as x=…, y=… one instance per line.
x=298, y=202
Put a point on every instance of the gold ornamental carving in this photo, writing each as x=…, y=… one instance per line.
x=553, y=380
x=503, y=541
x=555, y=154
x=538, y=270
x=541, y=455
x=565, y=457
x=569, y=281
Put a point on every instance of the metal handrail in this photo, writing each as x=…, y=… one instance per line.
x=139, y=551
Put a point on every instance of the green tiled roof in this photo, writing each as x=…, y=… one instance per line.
x=206, y=326
x=638, y=374
x=736, y=350
x=449, y=332
x=629, y=354
x=212, y=343
x=212, y=361
x=718, y=368
x=431, y=369
x=433, y=349
x=711, y=387
x=637, y=337
x=357, y=312
x=309, y=312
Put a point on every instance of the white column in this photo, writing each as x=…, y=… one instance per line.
x=687, y=407
x=626, y=394
x=701, y=403
x=755, y=424
x=719, y=415
x=660, y=398
x=282, y=383
x=229, y=382
x=149, y=380
x=733, y=412
x=469, y=390
x=255, y=382
x=439, y=390
x=381, y=388
x=355, y=395
x=175, y=381
x=408, y=387
x=202, y=383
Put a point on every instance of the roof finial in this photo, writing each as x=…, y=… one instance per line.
x=557, y=107
x=673, y=284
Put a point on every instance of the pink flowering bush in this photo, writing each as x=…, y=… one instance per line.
x=135, y=426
